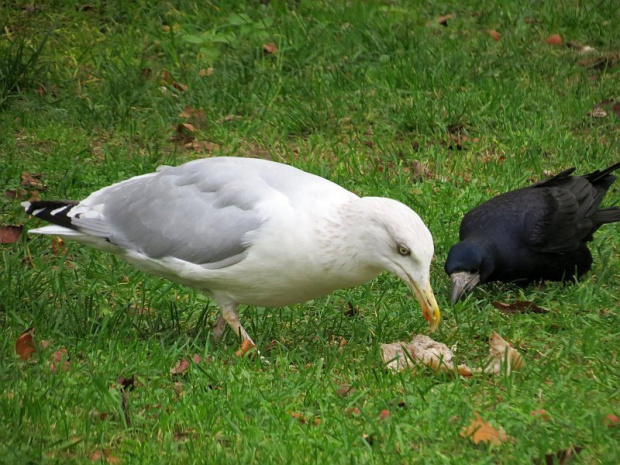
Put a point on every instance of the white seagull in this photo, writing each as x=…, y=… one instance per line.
x=249, y=231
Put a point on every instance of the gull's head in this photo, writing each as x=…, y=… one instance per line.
x=468, y=264
x=402, y=244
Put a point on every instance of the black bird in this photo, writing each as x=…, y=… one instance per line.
x=535, y=233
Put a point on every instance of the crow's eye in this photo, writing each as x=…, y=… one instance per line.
x=404, y=250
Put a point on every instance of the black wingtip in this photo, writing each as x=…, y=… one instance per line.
x=53, y=211
x=600, y=174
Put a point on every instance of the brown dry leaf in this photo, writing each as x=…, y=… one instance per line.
x=180, y=87
x=420, y=171
x=346, y=390
x=442, y=20
x=554, y=39
x=15, y=194
x=10, y=234
x=104, y=455
x=24, y=346
x=604, y=108
x=127, y=384
x=229, y=118
x=205, y=72
x=583, y=49
x=519, y=306
x=270, y=48
x=611, y=420
x=32, y=181
x=494, y=35
x=480, y=431
x=246, y=346
x=201, y=146
x=195, y=116
x=541, y=413
x=562, y=457
x=180, y=368
x=183, y=133
x=298, y=416
x=57, y=357
x=146, y=73
x=502, y=353
x=606, y=61
x=353, y=411
x=58, y=246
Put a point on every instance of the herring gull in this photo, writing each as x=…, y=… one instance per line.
x=249, y=231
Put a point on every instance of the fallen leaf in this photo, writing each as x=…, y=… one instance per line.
x=32, y=181
x=597, y=112
x=583, y=49
x=606, y=61
x=480, y=431
x=246, y=346
x=554, y=39
x=10, y=234
x=420, y=171
x=443, y=20
x=24, y=346
x=180, y=368
x=494, y=34
x=95, y=456
x=127, y=384
x=183, y=133
x=58, y=246
x=602, y=109
x=201, y=146
x=518, y=306
x=57, y=357
x=14, y=194
x=353, y=311
x=384, y=414
x=179, y=86
x=611, y=420
x=229, y=118
x=197, y=358
x=104, y=455
x=502, y=354
x=562, y=457
x=298, y=416
x=195, y=116
x=270, y=48
x=205, y=72
x=346, y=390
x=542, y=414
x=146, y=73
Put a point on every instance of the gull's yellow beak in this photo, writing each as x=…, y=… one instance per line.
x=430, y=309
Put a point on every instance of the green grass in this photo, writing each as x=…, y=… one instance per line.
x=354, y=88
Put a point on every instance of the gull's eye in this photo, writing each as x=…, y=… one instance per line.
x=404, y=250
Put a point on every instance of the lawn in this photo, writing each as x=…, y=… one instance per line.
x=387, y=98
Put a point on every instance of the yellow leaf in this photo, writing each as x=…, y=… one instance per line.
x=480, y=431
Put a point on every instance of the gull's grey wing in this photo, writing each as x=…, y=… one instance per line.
x=190, y=212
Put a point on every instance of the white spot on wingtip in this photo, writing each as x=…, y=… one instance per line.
x=58, y=210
